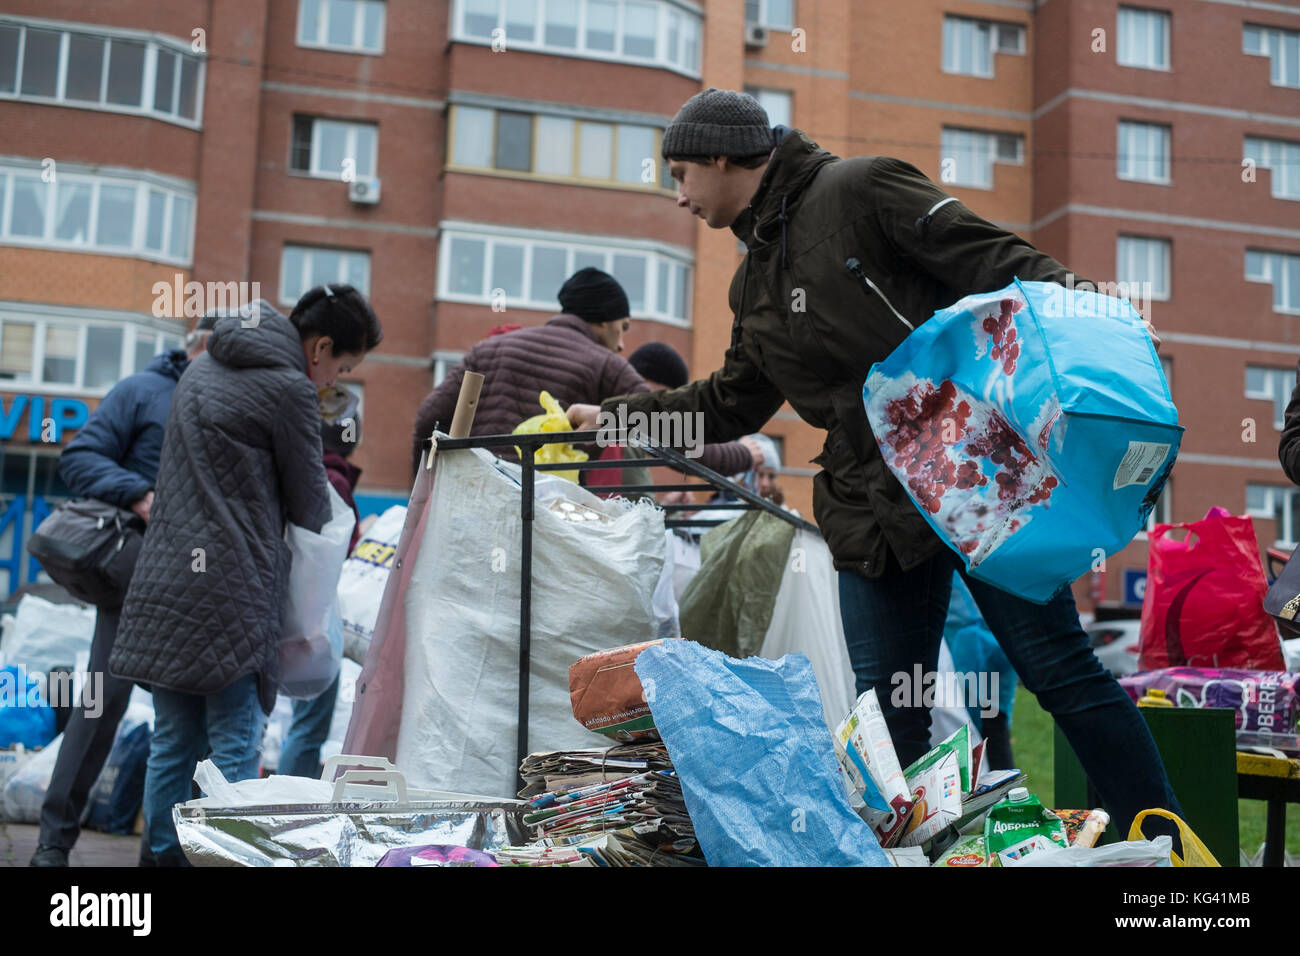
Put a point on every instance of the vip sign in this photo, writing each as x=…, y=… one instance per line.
x=44, y=424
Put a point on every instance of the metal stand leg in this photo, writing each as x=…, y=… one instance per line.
x=525, y=606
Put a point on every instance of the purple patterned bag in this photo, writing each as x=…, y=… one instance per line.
x=1264, y=701
x=436, y=855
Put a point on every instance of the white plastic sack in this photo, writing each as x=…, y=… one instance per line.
x=347, y=696
x=806, y=620
x=260, y=791
x=685, y=555
x=277, y=729
x=44, y=635
x=592, y=585
x=362, y=581
x=664, y=599
x=1136, y=853
x=25, y=791
x=313, y=633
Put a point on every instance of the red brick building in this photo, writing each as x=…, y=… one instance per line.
x=458, y=159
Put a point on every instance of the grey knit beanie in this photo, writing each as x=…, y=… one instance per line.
x=718, y=123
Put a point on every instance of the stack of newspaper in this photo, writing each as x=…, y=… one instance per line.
x=617, y=807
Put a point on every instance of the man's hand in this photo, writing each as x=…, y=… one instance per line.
x=1151, y=331
x=584, y=417
x=755, y=451
x=143, y=506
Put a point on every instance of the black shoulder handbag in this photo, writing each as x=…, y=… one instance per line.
x=1283, y=597
x=89, y=547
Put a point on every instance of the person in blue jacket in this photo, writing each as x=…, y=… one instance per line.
x=113, y=458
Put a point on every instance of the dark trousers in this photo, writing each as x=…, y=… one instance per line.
x=894, y=622
x=86, y=741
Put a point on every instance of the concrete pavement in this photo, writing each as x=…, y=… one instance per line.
x=18, y=843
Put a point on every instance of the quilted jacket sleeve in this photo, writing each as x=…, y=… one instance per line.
x=89, y=465
x=297, y=449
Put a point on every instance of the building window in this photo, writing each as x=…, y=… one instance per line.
x=328, y=149
x=778, y=104
x=1278, y=504
x=1162, y=513
x=773, y=14
x=1282, y=269
x=1282, y=159
x=443, y=363
x=1143, y=264
x=968, y=156
x=1282, y=47
x=65, y=353
x=94, y=213
x=1272, y=385
x=1143, y=38
x=969, y=45
x=103, y=70
x=1143, y=152
x=645, y=32
x=350, y=26
x=305, y=267
x=556, y=147
x=525, y=270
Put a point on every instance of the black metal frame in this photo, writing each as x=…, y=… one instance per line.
x=528, y=444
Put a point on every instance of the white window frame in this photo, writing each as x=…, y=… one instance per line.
x=574, y=177
x=305, y=277
x=1270, y=153
x=153, y=42
x=1125, y=162
x=681, y=262
x=1161, y=284
x=1280, y=382
x=1274, y=46
x=990, y=139
x=992, y=30
x=443, y=363
x=142, y=183
x=664, y=58
x=1277, y=275
x=1286, y=533
x=761, y=93
x=1150, y=58
x=358, y=30
x=350, y=149
x=131, y=333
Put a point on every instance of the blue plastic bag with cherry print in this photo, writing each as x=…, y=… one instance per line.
x=1033, y=428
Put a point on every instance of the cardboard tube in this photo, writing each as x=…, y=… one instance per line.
x=466, y=405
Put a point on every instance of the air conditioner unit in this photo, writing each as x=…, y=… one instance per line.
x=364, y=191
x=755, y=36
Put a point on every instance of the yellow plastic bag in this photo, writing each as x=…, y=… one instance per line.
x=1195, y=853
x=552, y=420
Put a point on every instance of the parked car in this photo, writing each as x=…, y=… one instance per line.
x=1116, y=645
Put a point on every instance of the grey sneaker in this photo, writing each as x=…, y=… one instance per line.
x=49, y=856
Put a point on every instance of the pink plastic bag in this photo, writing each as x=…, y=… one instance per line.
x=1204, y=603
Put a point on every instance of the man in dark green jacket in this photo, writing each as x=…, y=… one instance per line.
x=845, y=258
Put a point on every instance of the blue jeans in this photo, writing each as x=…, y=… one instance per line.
x=230, y=722
x=894, y=622
x=300, y=755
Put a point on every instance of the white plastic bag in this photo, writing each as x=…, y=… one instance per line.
x=259, y=791
x=363, y=579
x=806, y=620
x=312, y=646
x=44, y=635
x=664, y=599
x=1136, y=853
x=592, y=586
x=25, y=791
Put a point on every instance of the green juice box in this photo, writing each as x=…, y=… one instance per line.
x=1019, y=826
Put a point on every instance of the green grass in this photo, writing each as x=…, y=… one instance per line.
x=1031, y=745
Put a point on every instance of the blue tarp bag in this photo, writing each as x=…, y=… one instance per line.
x=118, y=794
x=25, y=718
x=1032, y=427
x=758, y=768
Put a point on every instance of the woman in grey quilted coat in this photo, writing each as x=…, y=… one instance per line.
x=241, y=455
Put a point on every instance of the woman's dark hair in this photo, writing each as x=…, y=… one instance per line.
x=342, y=313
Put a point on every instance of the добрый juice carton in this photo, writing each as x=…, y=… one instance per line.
x=1019, y=826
